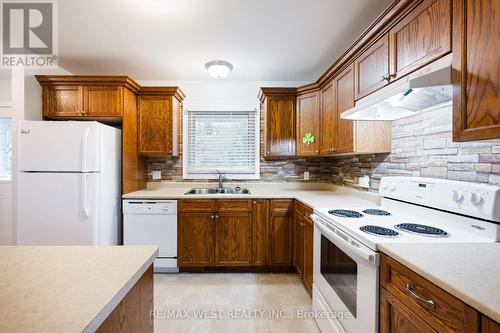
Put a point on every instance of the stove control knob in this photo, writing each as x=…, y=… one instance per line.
x=458, y=196
x=392, y=187
x=476, y=199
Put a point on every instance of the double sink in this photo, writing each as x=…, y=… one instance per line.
x=218, y=190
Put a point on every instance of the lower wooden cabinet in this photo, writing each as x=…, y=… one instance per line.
x=280, y=233
x=196, y=236
x=260, y=231
x=233, y=239
x=410, y=303
x=303, y=244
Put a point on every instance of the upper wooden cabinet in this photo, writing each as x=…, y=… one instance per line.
x=308, y=128
x=159, y=121
x=92, y=97
x=279, y=121
x=421, y=37
x=476, y=82
x=344, y=84
x=371, y=68
x=328, y=120
x=103, y=101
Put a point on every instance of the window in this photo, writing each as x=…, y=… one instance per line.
x=5, y=149
x=225, y=139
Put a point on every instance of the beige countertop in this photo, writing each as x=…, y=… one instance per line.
x=311, y=194
x=66, y=288
x=470, y=272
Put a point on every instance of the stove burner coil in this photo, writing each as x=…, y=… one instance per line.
x=345, y=213
x=378, y=212
x=379, y=231
x=421, y=229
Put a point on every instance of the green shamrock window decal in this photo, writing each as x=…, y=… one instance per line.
x=308, y=138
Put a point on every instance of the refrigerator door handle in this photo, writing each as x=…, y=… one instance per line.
x=85, y=139
x=84, y=195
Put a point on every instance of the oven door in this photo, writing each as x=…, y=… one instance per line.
x=346, y=276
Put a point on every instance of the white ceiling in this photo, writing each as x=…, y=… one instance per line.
x=289, y=40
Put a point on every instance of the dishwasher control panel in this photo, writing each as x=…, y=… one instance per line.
x=149, y=207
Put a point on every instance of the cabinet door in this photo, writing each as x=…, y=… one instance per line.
x=155, y=125
x=233, y=239
x=489, y=326
x=279, y=127
x=102, y=101
x=345, y=100
x=298, y=244
x=395, y=317
x=308, y=135
x=260, y=230
x=328, y=118
x=196, y=239
x=476, y=79
x=62, y=101
x=308, y=231
x=372, y=68
x=421, y=37
x=280, y=233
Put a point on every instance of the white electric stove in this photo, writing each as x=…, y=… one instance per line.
x=346, y=239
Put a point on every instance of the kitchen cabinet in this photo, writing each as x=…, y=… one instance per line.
x=233, y=239
x=102, y=101
x=90, y=97
x=260, y=230
x=422, y=36
x=298, y=244
x=328, y=120
x=280, y=232
x=215, y=233
x=196, y=239
x=278, y=121
x=476, y=97
x=410, y=303
x=371, y=68
x=489, y=326
x=303, y=244
x=308, y=124
x=344, y=84
x=160, y=121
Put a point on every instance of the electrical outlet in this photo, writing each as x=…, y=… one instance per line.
x=156, y=175
x=364, y=181
x=306, y=175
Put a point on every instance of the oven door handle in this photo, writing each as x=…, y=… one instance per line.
x=370, y=257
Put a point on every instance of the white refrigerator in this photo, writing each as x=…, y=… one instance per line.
x=69, y=183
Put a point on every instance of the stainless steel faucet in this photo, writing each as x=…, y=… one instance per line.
x=222, y=179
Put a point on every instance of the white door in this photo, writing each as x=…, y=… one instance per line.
x=53, y=146
x=58, y=209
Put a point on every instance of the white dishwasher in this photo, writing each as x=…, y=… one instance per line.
x=153, y=222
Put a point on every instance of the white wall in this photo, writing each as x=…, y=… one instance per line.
x=222, y=91
x=6, y=228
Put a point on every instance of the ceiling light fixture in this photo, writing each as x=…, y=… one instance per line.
x=218, y=68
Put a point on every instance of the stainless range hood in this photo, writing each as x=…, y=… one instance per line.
x=427, y=88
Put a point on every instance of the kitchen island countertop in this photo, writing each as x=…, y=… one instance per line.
x=66, y=288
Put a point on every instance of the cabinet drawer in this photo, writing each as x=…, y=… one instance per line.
x=196, y=206
x=281, y=206
x=440, y=310
x=234, y=205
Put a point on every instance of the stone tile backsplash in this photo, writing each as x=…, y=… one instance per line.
x=421, y=146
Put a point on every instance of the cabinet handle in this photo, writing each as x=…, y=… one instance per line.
x=216, y=216
x=317, y=151
x=426, y=302
x=254, y=202
x=212, y=217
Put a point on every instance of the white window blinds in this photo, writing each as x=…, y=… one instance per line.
x=222, y=140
